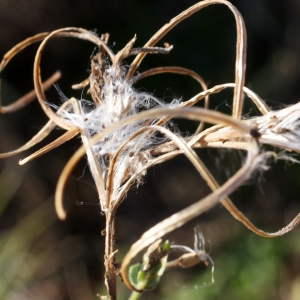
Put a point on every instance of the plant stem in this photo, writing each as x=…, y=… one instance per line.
x=135, y=295
x=109, y=256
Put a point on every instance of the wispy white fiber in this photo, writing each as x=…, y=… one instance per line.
x=119, y=101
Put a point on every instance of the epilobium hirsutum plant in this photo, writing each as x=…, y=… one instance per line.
x=124, y=132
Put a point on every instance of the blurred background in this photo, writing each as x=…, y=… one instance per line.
x=44, y=258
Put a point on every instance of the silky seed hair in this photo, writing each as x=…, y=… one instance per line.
x=119, y=100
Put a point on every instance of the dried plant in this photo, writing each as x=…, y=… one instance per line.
x=121, y=131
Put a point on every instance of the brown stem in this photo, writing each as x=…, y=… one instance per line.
x=109, y=255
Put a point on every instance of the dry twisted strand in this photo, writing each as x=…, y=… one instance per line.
x=181, y=71
x=240, y=62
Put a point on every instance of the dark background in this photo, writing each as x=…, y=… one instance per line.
x=43, y=258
